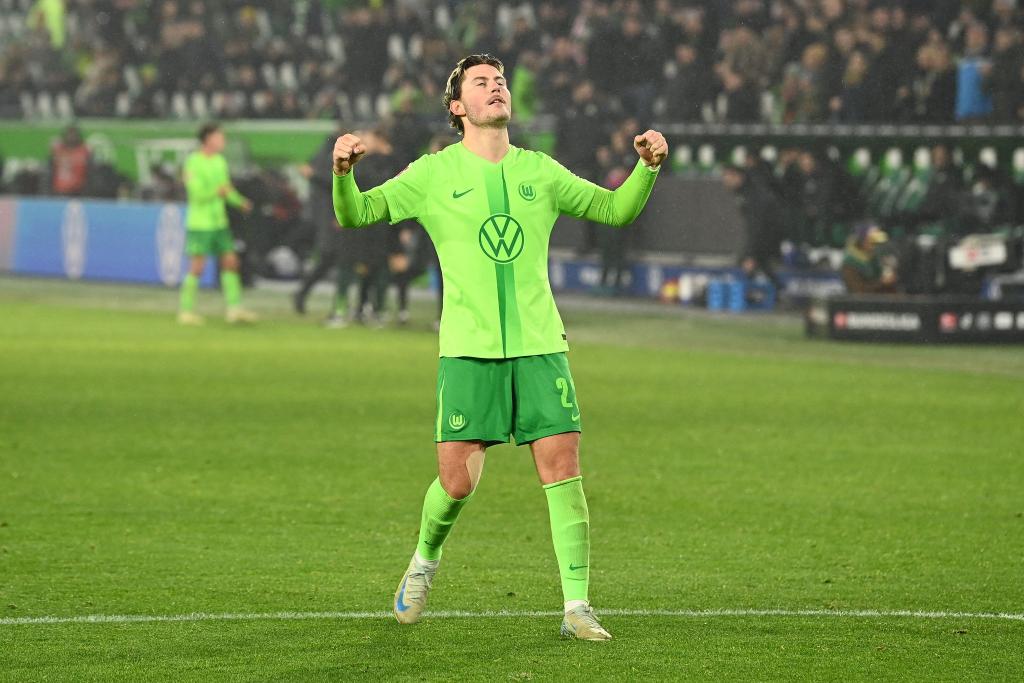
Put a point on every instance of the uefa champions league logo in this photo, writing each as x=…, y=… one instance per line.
x=170, y=243
x=74, y=231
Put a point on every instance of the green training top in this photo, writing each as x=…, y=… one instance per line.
x=490, y=223
x=204, y=175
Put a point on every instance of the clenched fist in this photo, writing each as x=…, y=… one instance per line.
x=652, y=147
x=348, y=150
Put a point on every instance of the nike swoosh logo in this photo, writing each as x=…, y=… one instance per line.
x=400, y=603
x=575, y=418
x=456, y=195
x=572, y=567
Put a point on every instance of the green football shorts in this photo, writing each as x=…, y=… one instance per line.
x=203, y=242
x=490, y=400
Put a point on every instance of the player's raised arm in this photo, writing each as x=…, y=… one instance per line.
x=353, y=208
x=622, y=206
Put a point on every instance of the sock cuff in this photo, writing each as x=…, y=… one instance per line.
x=548, y=487
x=447, y=498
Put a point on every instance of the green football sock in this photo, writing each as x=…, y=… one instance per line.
x=189, y=287
x=570, y=534
x=231, y=284
x=439, y=514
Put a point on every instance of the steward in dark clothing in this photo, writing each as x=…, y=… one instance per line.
x=332, y=243
x=763, y=219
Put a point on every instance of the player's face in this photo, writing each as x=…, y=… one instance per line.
x=215, y=141
x=485, y=97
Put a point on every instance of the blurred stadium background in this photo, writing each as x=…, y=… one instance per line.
x=153, y=469
x=906, y=114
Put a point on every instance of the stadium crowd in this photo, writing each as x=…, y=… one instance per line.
x=596, y=69
x=692, y=60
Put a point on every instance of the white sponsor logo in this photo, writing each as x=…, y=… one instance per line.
x=1004, y=320
x=655, y=278
x=899, y=322
x=170, y=243
x=557, y=274
x=74, y=231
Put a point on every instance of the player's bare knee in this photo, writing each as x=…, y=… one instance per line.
x=460, y=469
x=229, y=262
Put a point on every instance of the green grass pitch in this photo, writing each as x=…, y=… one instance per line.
x=730, y=464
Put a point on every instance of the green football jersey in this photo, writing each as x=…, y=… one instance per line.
x=491, y=224
x=204, y=176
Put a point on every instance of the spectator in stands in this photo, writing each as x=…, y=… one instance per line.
x=763, y=220
x=742, y=101
x=972, y=103
x=523, y=84
x=932, y=96
x=50, y=15
x=561, y=71
x=637, y=68
x=70, y=163
x=233, y=57
x=851, y=104
x=884, y=76
x=804, y=87
x=862, y=271
x=1002, y=80
x=688, y=87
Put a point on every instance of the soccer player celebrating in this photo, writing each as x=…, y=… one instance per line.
x=208, y=184
x=489, y=208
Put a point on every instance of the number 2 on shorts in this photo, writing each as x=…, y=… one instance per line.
x=563, y=386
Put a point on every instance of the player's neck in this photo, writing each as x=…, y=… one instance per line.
x=489, y=143
x=207, y=151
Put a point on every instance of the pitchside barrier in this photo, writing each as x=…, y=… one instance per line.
x=95, y=240
x=920, y=319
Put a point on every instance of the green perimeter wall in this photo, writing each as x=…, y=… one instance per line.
x=269, y=142
x=266, y=143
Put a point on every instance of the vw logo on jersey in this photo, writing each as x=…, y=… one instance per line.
x=527, y=192
x=456, y=421
x=502, y=238
x=74, y=231
x=170, y=244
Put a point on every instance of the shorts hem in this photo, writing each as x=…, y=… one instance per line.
x=489, y=440
x=530, y=437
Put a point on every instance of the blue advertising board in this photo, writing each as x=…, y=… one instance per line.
x=95, y=240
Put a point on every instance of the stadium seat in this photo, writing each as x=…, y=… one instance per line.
x=179, y=105
x=44, y=105
x=63, y=106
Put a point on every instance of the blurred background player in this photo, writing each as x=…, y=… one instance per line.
x=209, y=188
x=489, y=208
x=334, y=245
x=372, y=243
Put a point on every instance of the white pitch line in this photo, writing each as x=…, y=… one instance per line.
x=454, y=614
